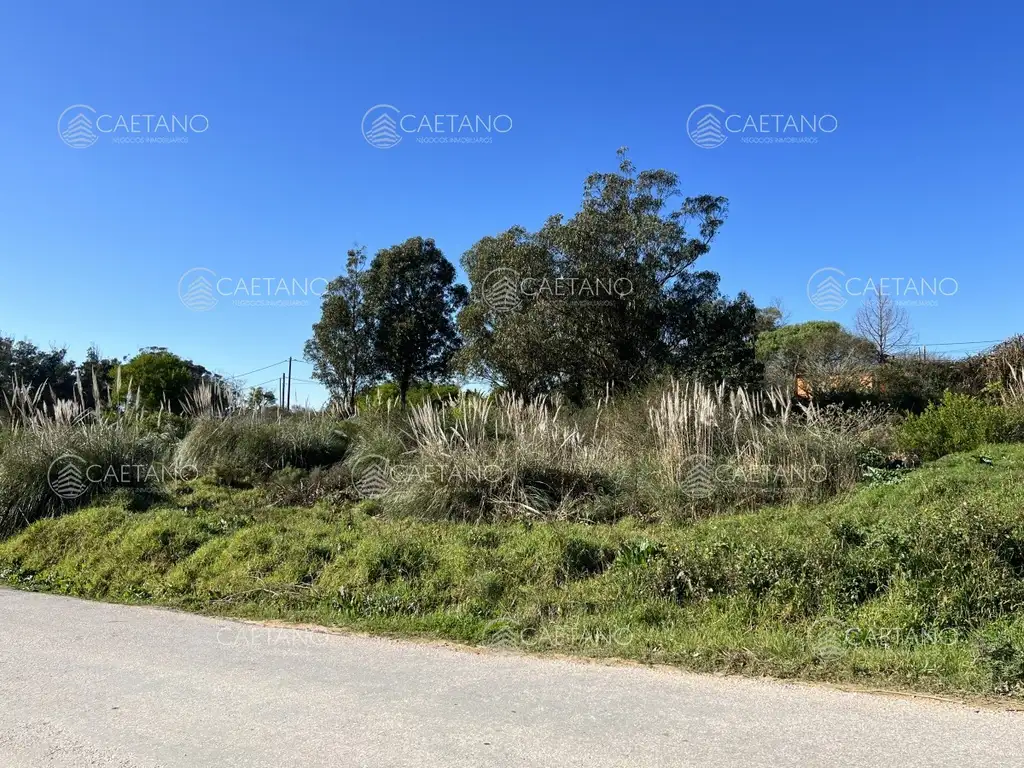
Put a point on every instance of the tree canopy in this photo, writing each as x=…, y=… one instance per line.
x=608, y=296
x=822, y=353
x=411, y=299
x=341, y=348
x=160, y=378
x=394, y=319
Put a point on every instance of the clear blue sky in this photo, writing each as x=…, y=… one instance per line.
x=922, y=178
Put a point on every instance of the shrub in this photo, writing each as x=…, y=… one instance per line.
x=911, y=384
x=47, y=470
x=748, y=450
x=243, y=449
x=482, y=459
x=959, y=423
x=297, y=487
x=170, y=425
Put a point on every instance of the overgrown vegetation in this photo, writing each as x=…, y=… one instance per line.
x=676, y=453
x=658, y=471
x=919, y=584
x=242, y=449
x=48, y=471
x=960, y=423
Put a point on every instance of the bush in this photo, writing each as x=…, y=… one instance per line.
x=959, y=423
x=47, y=470
x=418, y=394
x=240, y=450
x=477, y=459
x=170, y=425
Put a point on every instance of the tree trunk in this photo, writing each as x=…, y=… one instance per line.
x=403, y=391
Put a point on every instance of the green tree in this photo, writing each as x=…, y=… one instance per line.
x=28, y=365
x=418, y=394
x=96, y=373
x=771, y=317
x=260, y=398
x=823, y=353
x=161, y=378
x=608, y=296
x=411, y=297
x=341, y=348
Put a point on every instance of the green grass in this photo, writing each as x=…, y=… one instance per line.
x=919, y=584
x=246, y=448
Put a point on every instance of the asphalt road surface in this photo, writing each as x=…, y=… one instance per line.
x=89, y=684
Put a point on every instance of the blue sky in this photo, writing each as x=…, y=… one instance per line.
x=920, y=179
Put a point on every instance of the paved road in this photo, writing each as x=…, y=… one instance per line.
x=88, y=684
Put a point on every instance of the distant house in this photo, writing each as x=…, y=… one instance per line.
x=834, y=384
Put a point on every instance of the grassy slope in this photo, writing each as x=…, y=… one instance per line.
x=918, y=585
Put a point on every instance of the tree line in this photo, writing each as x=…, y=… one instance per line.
x=154, y=378
x=613, y=297
x=610, y=297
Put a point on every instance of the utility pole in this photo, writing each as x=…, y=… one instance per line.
x=288, y=402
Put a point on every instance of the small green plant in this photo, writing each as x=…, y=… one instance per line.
x=241, y=450
x=636, y=554
x=884, y=476
x=959, y=423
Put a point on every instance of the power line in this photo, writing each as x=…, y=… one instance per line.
x=954, y=343
x=264, y=382
x=272, y=365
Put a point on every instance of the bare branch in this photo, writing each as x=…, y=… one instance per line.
x=885, y=324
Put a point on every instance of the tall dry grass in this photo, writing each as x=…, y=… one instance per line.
x=59, y=454
x=698, y=450
x=476, y=458
x=680, y=453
